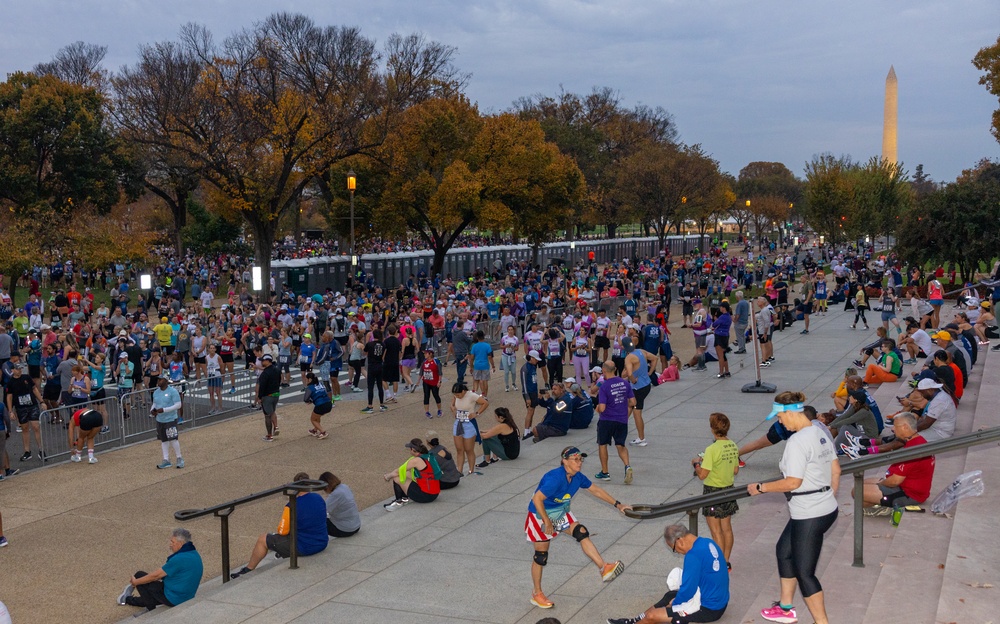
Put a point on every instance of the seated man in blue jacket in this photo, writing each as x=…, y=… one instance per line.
x=558, y=406
x=704, y=574
x=176, y=582
x=583, y=408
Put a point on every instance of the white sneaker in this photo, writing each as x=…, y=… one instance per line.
x=76, y=458
x=92, y=460
x=639, y=442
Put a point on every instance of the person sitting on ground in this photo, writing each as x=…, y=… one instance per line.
x=889, y=366
x=905, y=483
x=861, y=418
x=705, y=572
x=175, y=582
x=311, y=535
x=986, y=324
x=583, y=408
x=558, y=413
x=777, y=432
x=450, y=475
x=839, y=395
x=936, y=421
x=871, y=348
x=672, y=372
x=417, y=480
x=943, y=339
x=342, y=517
x=943, y=369
x=502, y=440
x=917, y=342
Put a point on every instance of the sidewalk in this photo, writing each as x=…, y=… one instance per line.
x=441, y=562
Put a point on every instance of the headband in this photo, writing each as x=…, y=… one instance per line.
x=777, y=408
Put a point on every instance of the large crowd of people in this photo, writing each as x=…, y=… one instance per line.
x=605, y=324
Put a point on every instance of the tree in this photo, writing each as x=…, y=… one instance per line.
x=56, y=149
x=770, y=187
x=828, y=196
x=922, y=183
x=78, y=63
x=17, y=253
x=101, y=239
x=987, y=60
x=598, y=132
x=449, y=167
x=210, y=233
x=881, y=192
x=275, y=105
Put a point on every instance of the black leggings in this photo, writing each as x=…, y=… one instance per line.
x=357, y=365
x=375, y=381
x=798, y=551
x=428, y=391
x=555, y=367
x=413, y=492
x=333, y=531
x=860, y=314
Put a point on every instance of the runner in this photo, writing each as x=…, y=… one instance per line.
x=549, y=514
x=316, y=393
x=166, y=403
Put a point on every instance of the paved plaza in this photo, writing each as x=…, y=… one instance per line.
x=77, y=532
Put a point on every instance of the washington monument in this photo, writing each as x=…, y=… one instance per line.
x=889, y=121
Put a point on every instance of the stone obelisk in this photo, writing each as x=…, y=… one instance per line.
x=889, y=120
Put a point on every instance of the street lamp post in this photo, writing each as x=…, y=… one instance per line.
x=352, y=184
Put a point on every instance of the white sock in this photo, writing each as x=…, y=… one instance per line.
x=177, y=448
x=165, y=446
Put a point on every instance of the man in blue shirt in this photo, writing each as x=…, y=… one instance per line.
x=176, y=582
x=558, y=414
x=166, y=402
x=310, y=532
x=704, y=571
x=529, y=389
x=549, y=515
x=481, y=358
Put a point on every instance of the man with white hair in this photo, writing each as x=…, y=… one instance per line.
x=175, y=582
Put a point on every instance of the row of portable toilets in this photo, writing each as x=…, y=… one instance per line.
x=307, y=276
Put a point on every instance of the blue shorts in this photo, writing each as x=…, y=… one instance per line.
x=888, y=316
x=462, y=429
x=665, y=350
x=935, y=302
x=215, y=382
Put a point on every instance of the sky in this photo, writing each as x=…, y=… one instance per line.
x=765, y=80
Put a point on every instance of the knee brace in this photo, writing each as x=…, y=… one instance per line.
x=541, y=558
x=580, y=533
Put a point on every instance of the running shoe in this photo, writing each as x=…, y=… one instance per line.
x=163, y=464
x=631, y=620
x=854, y=440
x=312, y=432
x=857, y=363
x=396, y=504
x=267, y=438
x=776, y=613
x=483, y=464
x=232, y=390
x=850, y=451
x=910, y=361
x=76, y=458
x=10, y=472
x=356, y=389
x=506, y=388
x=126, y=593
x=515, y=387
x=611, y=570
x=639, y=442
x=237, y=574
x=527, y=434
x=91, y=460
x=428, y=415
x=367, y=410
x=628, y=475
x=383, y=408
x=603, y=476
x=876, y=511
x=804, y=331
x=337, y=397
x=439, y=414
x=26, y=456
x=540, y=601
x=180, y=463
x=765, y=364
x=3, y=541
x=743, y=464
x=322, y=435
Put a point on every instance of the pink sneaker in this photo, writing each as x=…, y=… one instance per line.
x=775, y=613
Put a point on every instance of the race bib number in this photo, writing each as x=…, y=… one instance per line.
x=24, y=400
x=462, y=415
x=429, y=375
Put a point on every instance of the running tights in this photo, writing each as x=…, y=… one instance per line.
x=375, y=381
x=860, y=314
x=165, y=447
x=580, y=367
x=357, y=365
x=798, y=551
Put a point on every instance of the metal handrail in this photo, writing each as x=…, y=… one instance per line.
x=224, y=510
x=856, y=467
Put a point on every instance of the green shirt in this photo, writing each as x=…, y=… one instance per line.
x=893, y=363
x=721, y=459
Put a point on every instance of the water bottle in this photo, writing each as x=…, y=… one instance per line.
x=897, y=515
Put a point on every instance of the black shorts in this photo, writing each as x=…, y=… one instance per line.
x=51, y=391
x=305, y=367
x=98, y=394
x=199, y=360
x=765, y=337
x=165, y=432
x=34, y=371
x=703, y=614
x=531, y=400
x=28, y=413
x=322, y=409
x=640, y=396
x=390, y=372
x=90, y=420
x=227, y=358
x=722, y=341
x=611, y=430
x=894, y=497
x=602, y=342
x=280, y=544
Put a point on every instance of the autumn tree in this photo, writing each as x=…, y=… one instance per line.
x=275, y=105
x=829, y=196
x=56, y=149
x=770, y=187
x=987, y=60
x=599, y=132
x=78, y=63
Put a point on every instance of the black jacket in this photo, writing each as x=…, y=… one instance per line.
x=269, y=381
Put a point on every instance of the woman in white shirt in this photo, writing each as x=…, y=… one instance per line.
x=811, y=476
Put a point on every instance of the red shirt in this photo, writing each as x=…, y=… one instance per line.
x=919, y=473
x=959, y=380
x=430, y=373
x=226, y=346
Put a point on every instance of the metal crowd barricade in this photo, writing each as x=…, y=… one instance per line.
x=55, y=434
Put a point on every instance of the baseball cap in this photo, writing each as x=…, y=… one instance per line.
x=986, y=304
x=429, y=348
x=267, y=358
x=928, y=384
x=123, y=356
x=942, y=335
x=163, y=319
x=570, y=451
x=596, y=369
x=411, y=446
x=534, y=354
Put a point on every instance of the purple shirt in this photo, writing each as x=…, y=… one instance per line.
x=614, y=395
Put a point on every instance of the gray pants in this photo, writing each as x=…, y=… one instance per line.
x=741, y=332
x=493, y=445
